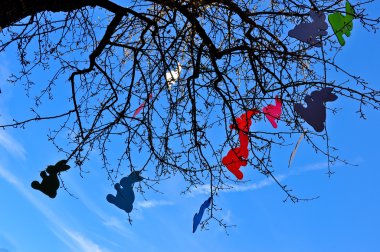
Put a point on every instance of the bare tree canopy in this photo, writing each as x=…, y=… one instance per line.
x=159, y=78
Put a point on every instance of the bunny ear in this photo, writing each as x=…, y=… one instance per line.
x=278, y=101
x=329, y=96
x=314, y=15
x=328, y=89
x=61, y=162
x=62, y=166
x=350, y=10
x=317, y=16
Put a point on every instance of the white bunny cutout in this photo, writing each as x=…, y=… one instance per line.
x=172, y=76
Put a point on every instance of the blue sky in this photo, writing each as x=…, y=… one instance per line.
x=344, y=218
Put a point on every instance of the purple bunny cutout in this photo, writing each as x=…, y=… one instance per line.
x=309, y=32
x=315, y=112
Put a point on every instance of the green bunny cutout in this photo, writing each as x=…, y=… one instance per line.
x=342, y=24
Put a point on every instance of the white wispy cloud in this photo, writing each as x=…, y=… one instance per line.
x=205, y=189
x=255, y=186
x=76, y=241
x=227, y=217
x=312, y=167
x=83, y=243
x=7, y=242
x=324, y=165
x=154, y=203
x=11, y=145
x=118, y=225
x=114, y=223
x=200, y=189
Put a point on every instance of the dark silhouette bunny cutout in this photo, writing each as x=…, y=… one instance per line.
x=124, y=195
x=310, y=32
x=342, y=25
x=315, y=112
x=198, y=216
x=237, y=157
x=50, y=183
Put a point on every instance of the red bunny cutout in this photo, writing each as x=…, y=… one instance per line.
x=237, y=157
x=273, y=112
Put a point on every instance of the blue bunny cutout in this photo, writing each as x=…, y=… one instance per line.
x=315, y=112
x=198, y=216
x=309, y=32
x=124, y=195
x=50, y=183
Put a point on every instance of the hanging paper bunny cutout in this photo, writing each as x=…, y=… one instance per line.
x=342, y=24
x=141, y=107
x=124, y=195
x=50, y=183
x=237, y=157
x=295, y=149
x=310, y=32
x=198, y=216
x=315, y=112
x=273, y=112
x=172, y=76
